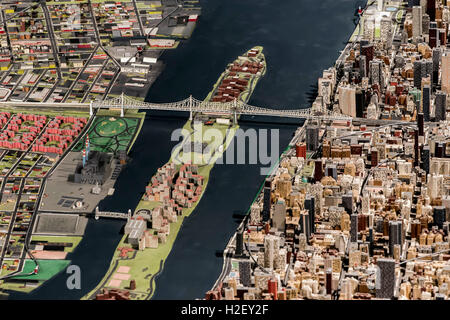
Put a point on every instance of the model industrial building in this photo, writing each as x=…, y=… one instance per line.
x=97, y=169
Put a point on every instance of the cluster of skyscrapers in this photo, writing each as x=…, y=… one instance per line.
x=360, y=209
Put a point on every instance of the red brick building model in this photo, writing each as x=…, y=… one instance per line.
x=161, y=183
x=4, y=117
x=113, y=294
x=22, y=130
x=174, y=190
x=60, y=132
x=188, y=186
x=233, y=85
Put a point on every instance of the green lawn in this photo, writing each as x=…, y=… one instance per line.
x=106, y=129
x=47, y=269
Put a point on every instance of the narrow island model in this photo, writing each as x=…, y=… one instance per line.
x=43, y=204
x=175, y=190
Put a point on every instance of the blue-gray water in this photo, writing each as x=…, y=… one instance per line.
x=300, y=39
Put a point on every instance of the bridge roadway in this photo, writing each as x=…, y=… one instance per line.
x=115, y=215
x=193, y=105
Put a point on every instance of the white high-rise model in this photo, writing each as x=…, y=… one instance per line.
x=417, y=21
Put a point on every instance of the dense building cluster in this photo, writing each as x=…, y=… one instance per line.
x=360, y=209
x=177, y=189
x=54, y=135
x=21, y=131
x=238, y=75
x=173, y=190
x=389, y=76
x=59, y=134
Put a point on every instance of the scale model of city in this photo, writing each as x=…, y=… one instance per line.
x=356, y=208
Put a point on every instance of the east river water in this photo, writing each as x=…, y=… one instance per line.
x=300, y=39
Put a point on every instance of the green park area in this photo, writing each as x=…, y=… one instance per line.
x=47, y=269
x=112, y=134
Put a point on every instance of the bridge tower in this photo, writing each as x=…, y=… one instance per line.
x=190, y=107
x=96, y=213
x=91, y=111
x=121, y=105
x=129, y=215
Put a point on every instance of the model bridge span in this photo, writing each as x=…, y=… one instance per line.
x=110, y=214
x=234, y=108
x=190, y=105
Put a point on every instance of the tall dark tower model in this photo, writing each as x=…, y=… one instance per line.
x=420, y=123
x=426, y=159
x=266, y=200
x=312, y=138
x=431, y=9
x=385, y=278
x=426, y=96
x=310, y=206
x=354, y=228
x=439, y=216
x=239, y=243
x=440, y=106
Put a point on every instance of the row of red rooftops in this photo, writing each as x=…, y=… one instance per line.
x=52, y=133
x=226, y=95
x=76, y=124
x=49, y=149
x=24, y=137
x=181, y=181
x=13, y=145
x=230, y=88
x=69, y=119
x=4, y=117
x=250, y=64
x=53, y=137
x=19, y=118
x=64, y=132
x=245, y=69
x=15, y=125
x=253, y=53
x=11, y=134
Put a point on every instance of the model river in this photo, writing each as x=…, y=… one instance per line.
x=300, y=39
